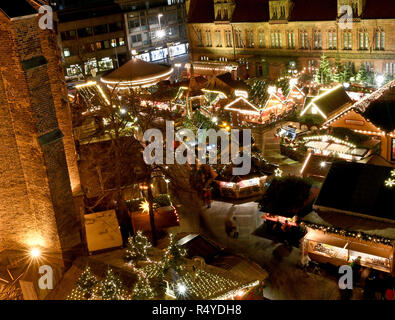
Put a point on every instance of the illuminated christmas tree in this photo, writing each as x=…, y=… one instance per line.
x=142, y=289
x=324, y=72
x=85, y=286
x=174, y=255
x=137, y=248
x=112, y=288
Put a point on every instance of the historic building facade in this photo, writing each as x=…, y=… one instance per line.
x=268, y=35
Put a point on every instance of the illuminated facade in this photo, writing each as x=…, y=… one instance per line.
x=266, y=36
x=38, y=165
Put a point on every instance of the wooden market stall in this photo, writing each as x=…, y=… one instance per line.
x=352, y=217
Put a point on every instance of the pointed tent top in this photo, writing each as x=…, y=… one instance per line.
x=137, y=72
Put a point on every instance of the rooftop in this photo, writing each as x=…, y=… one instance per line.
x=17, y=8
x=137, y=72
x=357, y=189
x=332, y=100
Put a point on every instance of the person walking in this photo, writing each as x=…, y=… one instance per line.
x=235, y=228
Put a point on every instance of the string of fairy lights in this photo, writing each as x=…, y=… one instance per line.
x=353, y=234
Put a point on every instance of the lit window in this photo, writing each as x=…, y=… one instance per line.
x=66, y=52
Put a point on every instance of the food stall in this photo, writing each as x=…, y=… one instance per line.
x=337, y=246
x=242, y=188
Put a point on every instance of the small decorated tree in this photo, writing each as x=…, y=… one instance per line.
x=363, y=75
x=338, y=75
x=324, y=72
x=137, y=248
x=142, y=289
x=112, y=288
x=347, y=73
x=85, y=286
x=173, y=257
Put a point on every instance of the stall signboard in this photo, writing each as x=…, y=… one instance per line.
x=102, y=231
x=144, y=56
x=159, y=54
x=177, y=50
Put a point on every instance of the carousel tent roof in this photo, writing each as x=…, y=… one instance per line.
x=138, y=72
x=357, y=188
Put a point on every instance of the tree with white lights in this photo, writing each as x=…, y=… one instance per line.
x=85, y=286
x=137, y=248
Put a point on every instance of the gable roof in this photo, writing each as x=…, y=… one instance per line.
x=332, y=100
x=17, y=8
x=378, y=108
x=357, y=188
x=329, y=101
x=242, y=105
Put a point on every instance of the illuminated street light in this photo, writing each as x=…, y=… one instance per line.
x=160, y=34
x=181, y=289
x=35, y=252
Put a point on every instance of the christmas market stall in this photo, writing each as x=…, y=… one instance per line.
x=274, y=107
x=243, y=111
x=352, y=217
x=296, y=95
x=229, y=186
x=329, y=145
x=373, y=117
x=284, y=201
x=136, y=73
x=328, y=103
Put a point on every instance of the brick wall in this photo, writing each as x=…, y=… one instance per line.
x=36, y=163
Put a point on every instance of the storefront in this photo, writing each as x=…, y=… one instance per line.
x=340, y=250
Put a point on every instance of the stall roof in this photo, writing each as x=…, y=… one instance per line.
x=317, y=165
x=357, y=188
x=352, y=223
x=242, y=105
x=332, y=100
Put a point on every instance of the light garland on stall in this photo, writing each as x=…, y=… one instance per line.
x=351, y=234
x=325, y=138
